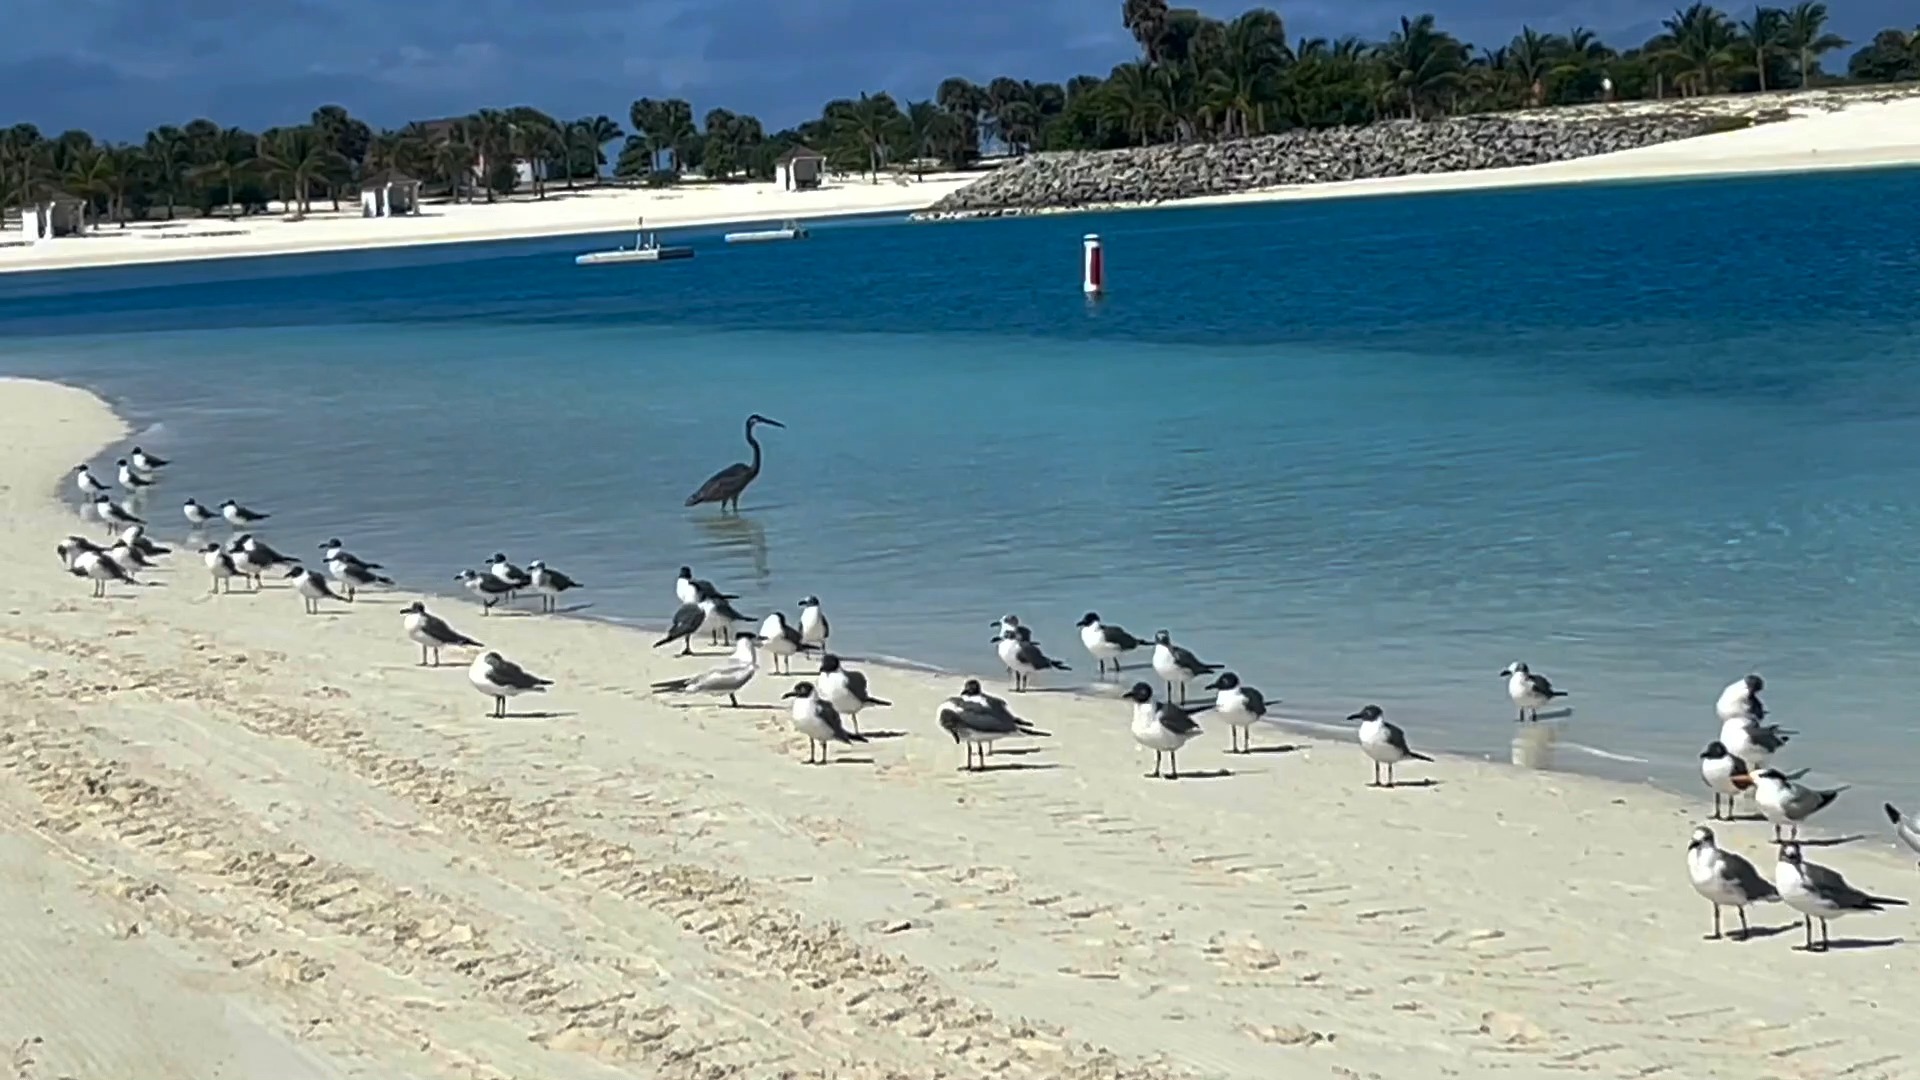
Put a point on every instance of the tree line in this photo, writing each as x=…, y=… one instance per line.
x=1195, y=78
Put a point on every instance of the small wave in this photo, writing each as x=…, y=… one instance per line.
x=1604, y=755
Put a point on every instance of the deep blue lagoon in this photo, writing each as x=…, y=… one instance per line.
x=1644, y=437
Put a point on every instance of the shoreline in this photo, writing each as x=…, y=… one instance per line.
x=1825, y=131
x=305, y=850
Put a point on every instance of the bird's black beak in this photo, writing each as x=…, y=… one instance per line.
x=790, y=694
x=1358, y=716
x=1507, y=672
x=1214, y=685
x=773, y=423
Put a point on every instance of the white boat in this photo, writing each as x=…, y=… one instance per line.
x=788, y=230
x=646, y=248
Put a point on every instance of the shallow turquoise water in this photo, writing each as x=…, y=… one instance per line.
x=1643, y=437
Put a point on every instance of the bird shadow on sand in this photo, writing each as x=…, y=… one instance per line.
x=1203, y=774
x=1398, y=784
x=1018, y=766
x=883, y=733
x=1828, y=841
x=1761, y=932
x=570, y=609
x=1283, y=748
x=536, y=716
x=1843, y=944
x=847, y=761
x=1015, y=751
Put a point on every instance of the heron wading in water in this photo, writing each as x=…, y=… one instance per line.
x=727, y=485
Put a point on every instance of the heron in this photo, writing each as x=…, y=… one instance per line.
x=726, y=485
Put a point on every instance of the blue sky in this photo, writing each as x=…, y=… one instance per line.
x=119, y=67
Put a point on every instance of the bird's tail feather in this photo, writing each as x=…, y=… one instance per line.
x=1036, y=732
x=1893, y=814
x=877, y=701
x=673, y=684
x=1889, y=901
x=1797, y=773
x=853, y=736
x=1058, y=666
x=1556, y=693
x=383, y=580
x=1417, y=756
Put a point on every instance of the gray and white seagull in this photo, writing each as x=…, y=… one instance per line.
x=977, y=720
x=729, y=678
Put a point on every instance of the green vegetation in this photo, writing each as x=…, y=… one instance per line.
x=1197, y=78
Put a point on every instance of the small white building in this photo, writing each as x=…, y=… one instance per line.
x=388, y=193
x=58, y=214
x=799, y=169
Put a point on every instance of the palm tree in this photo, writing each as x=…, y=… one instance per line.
x=929, y=126
x=1531, y=55
x=92, y=171
x=1241, y=84
x=1760, y=37
x=871, y=123
x=1421, y=62
x=1147, y=21
x=1699, y=40
x=1803, y=33
x=170, y=155
x=1135, y=104
x=228, y=158
x=299, y=156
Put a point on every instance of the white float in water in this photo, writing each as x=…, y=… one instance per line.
x=1093, y=279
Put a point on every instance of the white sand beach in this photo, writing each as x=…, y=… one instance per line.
x=1828, y=129
x=243, y=841
x=561, y=213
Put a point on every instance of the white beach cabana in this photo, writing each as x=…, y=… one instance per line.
x=56, y=214
x=389, y=193
x=799, y=169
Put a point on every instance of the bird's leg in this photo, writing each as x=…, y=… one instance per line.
x=686, y=645
x=1825, y=944
x=733, y=701
x=1745, y=931
x=1389, y=774
x=1376, y=775
x=1173, y=765
x=1806, y=923
x=1715, y=936
x=1156, y=765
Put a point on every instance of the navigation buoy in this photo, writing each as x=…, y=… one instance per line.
x=1094, y=274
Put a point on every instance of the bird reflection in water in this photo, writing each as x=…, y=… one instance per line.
x=1533, y=744
x=736, y=534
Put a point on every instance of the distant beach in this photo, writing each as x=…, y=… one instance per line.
x=1822, y=129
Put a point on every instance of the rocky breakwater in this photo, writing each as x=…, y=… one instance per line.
x=1055, y=182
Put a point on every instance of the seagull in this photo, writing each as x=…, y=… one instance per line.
x=1240, y=706
x=256, y=557
x=1904, y=828
x=817, y=719
x=1176, y=665
x=1529, y=691
x=1107, y=643
x=101, y=568
x=238, y=515
x=89, y=484
x=489, y=589
x=354, y=575
x=1741, y=700
x=1786, y=803
x=1023, y=657
x=813, y=623
x=313, y=588
x=550, y=583
x=515, y=577
x=113, y=515
x=1385, y=743
x=130, y=479
x=691, y=590
x=729, y=678
x=197, y=515
x=1005, y=623
x=334, y=549
x=1728, y=776
x=846, y=689
x=499, y=678
x=128, y=556
x=1162, y=727
x=135, y=537
x=782, y=640
x=220, y=565
x=147, y=463
x=972, y=721
x=1817, y=892
x=686, y=622
x=73, y=547
x=1752, y=741
x=1726, y=880
x=720, y=616
x=431, y=632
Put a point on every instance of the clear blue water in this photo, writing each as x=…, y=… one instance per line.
x=1644, y=437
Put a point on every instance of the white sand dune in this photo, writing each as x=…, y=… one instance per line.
x=242, y=841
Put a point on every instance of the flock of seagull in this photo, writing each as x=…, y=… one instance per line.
x=826, y=708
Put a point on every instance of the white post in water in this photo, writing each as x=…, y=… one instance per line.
x=1093, y=279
